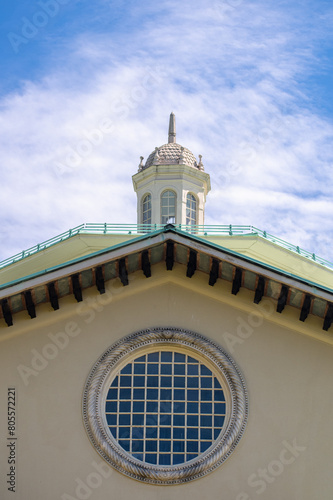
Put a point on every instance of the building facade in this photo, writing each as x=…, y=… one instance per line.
x=166, y=359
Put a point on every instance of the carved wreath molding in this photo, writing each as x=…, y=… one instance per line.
x=98, y=382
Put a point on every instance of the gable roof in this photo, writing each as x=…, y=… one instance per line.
x=171, y=245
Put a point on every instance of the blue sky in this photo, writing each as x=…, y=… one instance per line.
x=250, y=83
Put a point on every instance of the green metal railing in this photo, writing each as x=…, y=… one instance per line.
x=141, y=229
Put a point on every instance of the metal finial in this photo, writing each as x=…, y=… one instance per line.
x=141, y=163
x=156, y=156
x=200, y=165
x=172, y=128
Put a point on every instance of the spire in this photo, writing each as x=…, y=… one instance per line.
x=172, y=128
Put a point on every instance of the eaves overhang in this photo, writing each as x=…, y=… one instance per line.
x=172, y=246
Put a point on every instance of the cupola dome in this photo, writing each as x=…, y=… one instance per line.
x=172, y=153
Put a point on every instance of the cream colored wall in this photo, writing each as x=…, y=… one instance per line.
x=288, y=376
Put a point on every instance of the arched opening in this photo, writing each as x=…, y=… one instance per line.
x=146, y=209
x=191, y=210
x=168, y=207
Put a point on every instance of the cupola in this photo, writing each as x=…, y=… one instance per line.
x=171, y=186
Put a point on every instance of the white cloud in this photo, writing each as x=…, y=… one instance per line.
x=230, y=75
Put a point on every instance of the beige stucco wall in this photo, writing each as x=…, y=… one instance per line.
x=288, y=376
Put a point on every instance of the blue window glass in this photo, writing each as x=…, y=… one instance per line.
x=165, y=419
x=206, y=420
x=206, y=434
x=178, y=407
x=193, y=382
x=217, y=433
x=206, y=395
x=206, y=382
x=206, y=408
x=192, y=420
x=124, y=432
x=219, y=421
x=192, y=433
x=179, y=446
x=138, y=418
x=125, y=393
x=178, y=459
x=124, y=419
x=192, y=395
x=192, y=407
x=151, y=458
x=151, y=432
x=166, y=381
x=165, y=406
x=137, y=432
x=179, y=433
x=154, y=357
x=138, y=394
x=192, y=370
x=169, y=411
x=152, y=368
x=152, y=393
x=204, y=445
x=111, y=419
x=179, y=395
x=166, y=369
x=193, y=446
x=179, y=369
x=219, y=408
x=125, y=443
x=137, y=445
x=166, y=394
x=164, y=459
x=166, y=357
x=112, y=394
x=139, y=368
x=152, y=420
x=205, y=371
x=179, y=381
x=139, y=381
x=179, y=420
x=126, y=369
x=179, y=358
x=113, y=431
x=125, y=381
x=151, y=445
x=165, y=433
x=218, y=395
x=152, y=381
x=124, y=406
x=165, y=445
x=111, y=406
x=217, y=384
x=151, y=407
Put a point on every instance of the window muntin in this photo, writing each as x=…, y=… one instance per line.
x=191, y=210
x=146, y=209
x=168, y=207
x=165, y=407
x=120, y=416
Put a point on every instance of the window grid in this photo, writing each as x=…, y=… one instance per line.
x=146, y=209
x=191, y=210
x=168, y=207
x=168, y=408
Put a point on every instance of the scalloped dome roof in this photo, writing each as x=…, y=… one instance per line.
x=171, y=153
